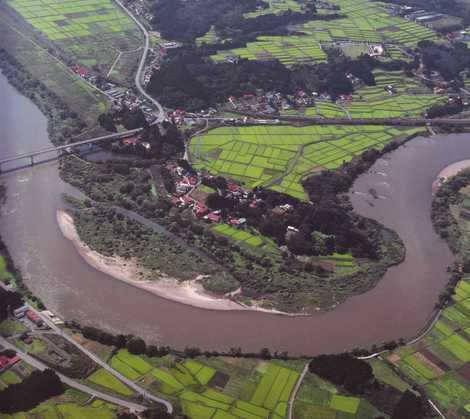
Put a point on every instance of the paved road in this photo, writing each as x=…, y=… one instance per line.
x=138, y=75
x=72, y=383
x=145, y=394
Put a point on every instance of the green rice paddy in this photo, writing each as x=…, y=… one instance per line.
x=190, y=382
x=105, y=379
x=92, y=32
x=364, y=22
x=287, y=49
x=239, y=236
x=440, y=362
x=279, y=157
x=60, y=20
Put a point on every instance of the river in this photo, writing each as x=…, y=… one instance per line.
x=398, y=307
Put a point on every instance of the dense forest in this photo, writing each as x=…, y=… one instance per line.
x=448, y=60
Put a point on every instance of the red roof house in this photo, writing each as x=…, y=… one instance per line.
x=215, y=218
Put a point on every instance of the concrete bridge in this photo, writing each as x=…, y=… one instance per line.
x=59, y=149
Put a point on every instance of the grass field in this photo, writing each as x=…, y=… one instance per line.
x=441, y=361
x=216, y=387
x=104, y=379
x=92, y=32
x=281, y=156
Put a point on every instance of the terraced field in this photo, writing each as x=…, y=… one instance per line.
x=92, y=32
x=363, y=22
x=215, y=388
x=287, y=49
x=276, y=7
x=280, y=156
x=441, y=361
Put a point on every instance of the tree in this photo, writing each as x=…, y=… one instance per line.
x=354, y=374
x=136, y=346
x=410, y=406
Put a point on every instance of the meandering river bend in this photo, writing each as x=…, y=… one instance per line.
x=398, y=307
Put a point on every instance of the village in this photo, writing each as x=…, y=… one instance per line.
x=191, y=190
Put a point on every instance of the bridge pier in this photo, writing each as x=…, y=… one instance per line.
x=32, y=160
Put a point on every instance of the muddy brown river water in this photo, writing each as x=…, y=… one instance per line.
x=398, y=306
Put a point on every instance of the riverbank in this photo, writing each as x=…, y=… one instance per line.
x=190, y=292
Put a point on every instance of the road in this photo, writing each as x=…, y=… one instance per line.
x=72, y=383
x=145, y=394
x=295, y=391
x=138, y=74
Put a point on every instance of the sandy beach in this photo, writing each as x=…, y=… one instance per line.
x=448, y=172
x=187, y=292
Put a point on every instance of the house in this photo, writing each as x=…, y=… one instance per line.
x=32, y=316
x=131, y=141
x=20, y=312
x=200, y=209
x=233, y=187
x=187, y=200
x=6, y=362
x=213, y=217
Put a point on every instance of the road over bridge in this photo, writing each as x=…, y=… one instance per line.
x=58, y=149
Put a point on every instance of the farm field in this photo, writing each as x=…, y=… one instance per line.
x=215, y=387
x=441, y=361
x=319, y=399
x=90, y=32
x=287, y=49
x=279, y=157
x=106, y=380
x=399, y=106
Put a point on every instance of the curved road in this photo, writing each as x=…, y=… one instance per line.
x=145, y=394
x=72, y=383
x=138, y=83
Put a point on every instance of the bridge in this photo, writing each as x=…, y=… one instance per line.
x=31, y=155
